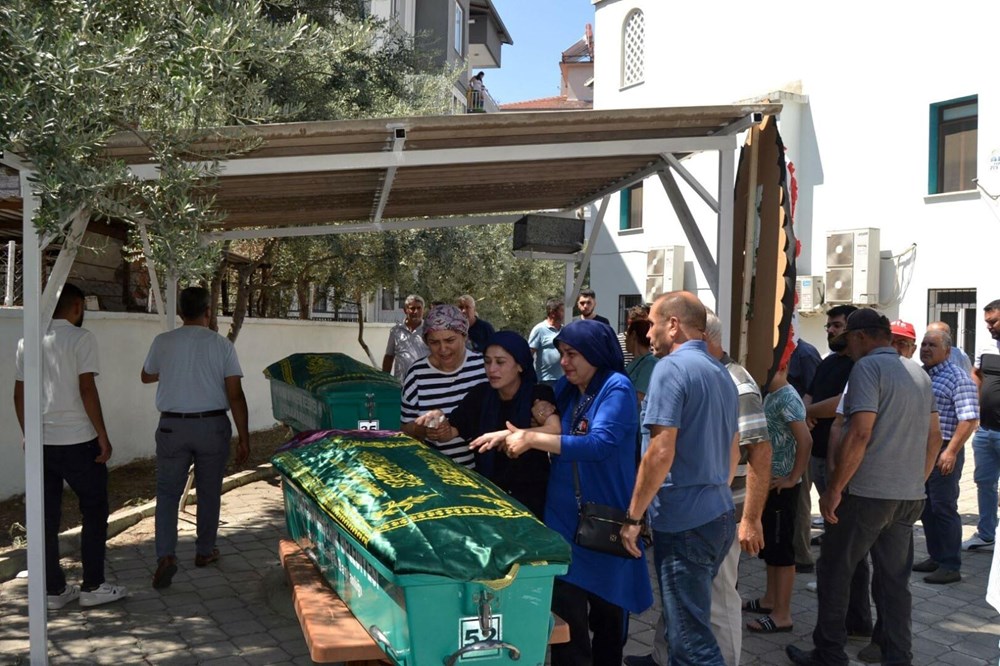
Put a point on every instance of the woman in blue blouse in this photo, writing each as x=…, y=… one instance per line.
x=599, y=410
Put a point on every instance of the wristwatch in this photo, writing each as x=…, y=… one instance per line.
x=629, y=520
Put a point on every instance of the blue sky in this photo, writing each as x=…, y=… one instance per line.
x=541, y=30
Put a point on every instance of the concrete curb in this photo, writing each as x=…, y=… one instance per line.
x=15, y=561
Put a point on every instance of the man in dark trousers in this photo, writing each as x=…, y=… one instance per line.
x=874, y=494
x=199, y=379
x=75, y=449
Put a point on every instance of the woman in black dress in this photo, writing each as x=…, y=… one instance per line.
x=482, y=416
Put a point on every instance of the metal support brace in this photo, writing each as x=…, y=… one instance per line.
x=597, y=223
x=61, y=269
x=701, y=252
x=154, y=282
x=695, y=184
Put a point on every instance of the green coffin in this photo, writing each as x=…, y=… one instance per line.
x=437, y=563
x=322, y=391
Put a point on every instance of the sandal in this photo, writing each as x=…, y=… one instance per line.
x=753, y=606
x=766, y=625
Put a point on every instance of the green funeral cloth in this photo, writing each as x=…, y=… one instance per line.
x=415, y=510
x=323, y=373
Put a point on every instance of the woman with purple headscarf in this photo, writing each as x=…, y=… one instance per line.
x=434, y=385
x=600, y=419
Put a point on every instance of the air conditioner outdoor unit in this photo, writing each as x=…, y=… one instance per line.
x=664, y=270
x=809, y=290
x=852, y=263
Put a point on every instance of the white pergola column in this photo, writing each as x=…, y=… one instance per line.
x=724, y=252
x=34, y=498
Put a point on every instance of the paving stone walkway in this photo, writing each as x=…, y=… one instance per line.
x=239, y=611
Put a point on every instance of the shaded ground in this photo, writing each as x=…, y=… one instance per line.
x=128, y=485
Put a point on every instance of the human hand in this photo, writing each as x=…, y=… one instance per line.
x=828, y=503
x=517, y=441
x=430, y=419
x=782, y=483
x=630, y=539
x=946, y=462
x=242, y=451
x=541, y=410
x=751, y=535
x=811, y=422
x=105, y=445
x=488, y=441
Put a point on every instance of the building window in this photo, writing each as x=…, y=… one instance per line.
x=957, y=308
x=459, y=28
x=625, y=303
x=630, y=212
x=633, y=48
x=954, y=130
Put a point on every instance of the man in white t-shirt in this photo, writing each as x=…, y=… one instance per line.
x=75, y=449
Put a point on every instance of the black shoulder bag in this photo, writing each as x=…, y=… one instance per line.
x=599, y=526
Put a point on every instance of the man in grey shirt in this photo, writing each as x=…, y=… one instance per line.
x=198, y=379
x=875, y=492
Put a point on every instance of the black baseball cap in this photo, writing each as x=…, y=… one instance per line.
x=866, y=318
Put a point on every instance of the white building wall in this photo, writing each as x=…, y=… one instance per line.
x=129, y=409
x=869, y=73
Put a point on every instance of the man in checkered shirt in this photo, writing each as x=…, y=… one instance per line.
x=958, y=407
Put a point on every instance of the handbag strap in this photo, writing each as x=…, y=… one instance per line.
x=581, y=408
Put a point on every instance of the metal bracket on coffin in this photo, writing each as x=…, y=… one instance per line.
x=481, y=646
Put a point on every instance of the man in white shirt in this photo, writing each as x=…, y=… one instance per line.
x=75, y=449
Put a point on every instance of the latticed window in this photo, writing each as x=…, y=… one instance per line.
x=633, y=48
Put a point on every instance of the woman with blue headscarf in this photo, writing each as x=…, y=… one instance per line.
x=600, y=419
x=482, y=416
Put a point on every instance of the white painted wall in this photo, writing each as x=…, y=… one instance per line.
x=869, y=73
x=129, y=410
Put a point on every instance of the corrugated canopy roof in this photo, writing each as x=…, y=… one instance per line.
x=475, y=164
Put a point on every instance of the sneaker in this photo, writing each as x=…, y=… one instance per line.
x=977, y=542
x=69, y=593
x=811, y=586
x=166, y=567
x=105, y=594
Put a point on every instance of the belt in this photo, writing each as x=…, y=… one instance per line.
x=193, y=415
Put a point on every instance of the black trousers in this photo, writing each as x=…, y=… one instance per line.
x=885, y=528
x=587, y=613
x=74, y=464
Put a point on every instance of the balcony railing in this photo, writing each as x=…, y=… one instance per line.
x=480, y=101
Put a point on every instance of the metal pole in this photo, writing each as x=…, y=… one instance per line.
x=34, y=499
x=8, y=297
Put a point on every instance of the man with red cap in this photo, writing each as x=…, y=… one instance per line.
x=904, y=338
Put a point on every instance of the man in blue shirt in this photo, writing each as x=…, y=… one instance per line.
x=685, y=472
x=958, y=410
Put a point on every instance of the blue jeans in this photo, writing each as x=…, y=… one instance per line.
x=180, y=442
x=986, y=450
x=686, y=562
x=942, y=524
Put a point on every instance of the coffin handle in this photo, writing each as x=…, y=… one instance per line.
x=383, y=642
x=483, y=646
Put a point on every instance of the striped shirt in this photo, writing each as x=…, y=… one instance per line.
x=426, y=388
x=752, y=422
x=955, y=394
